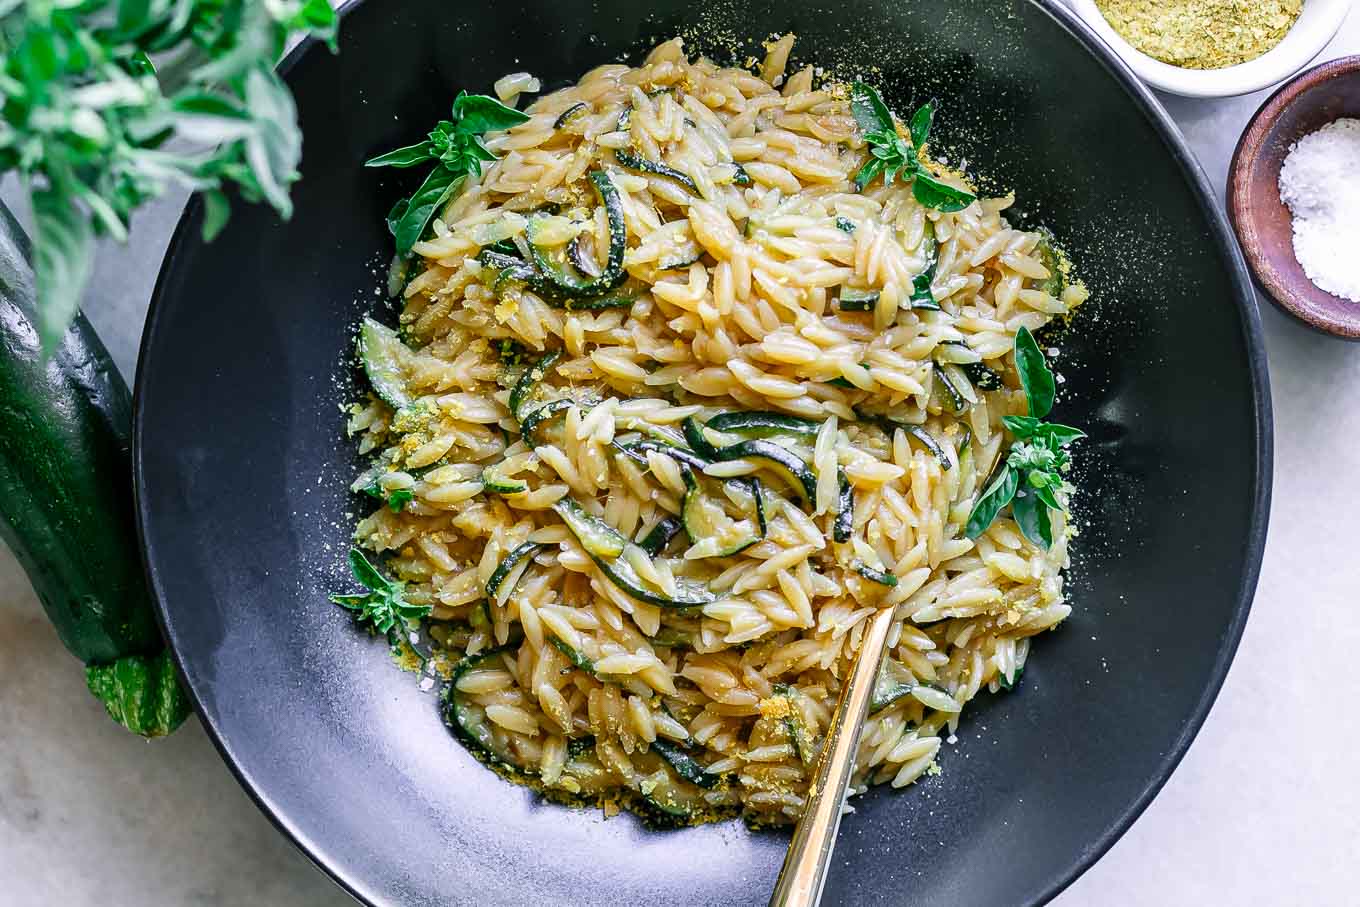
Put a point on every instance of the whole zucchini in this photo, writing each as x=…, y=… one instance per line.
x=66, y=501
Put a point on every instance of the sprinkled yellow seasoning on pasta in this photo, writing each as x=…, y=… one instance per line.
x=700, y=372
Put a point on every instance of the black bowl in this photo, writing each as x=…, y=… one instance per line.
x=242, y=468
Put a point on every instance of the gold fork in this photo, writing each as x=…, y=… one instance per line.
x=804, y=872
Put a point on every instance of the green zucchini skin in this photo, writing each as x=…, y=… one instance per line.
x=66, y=506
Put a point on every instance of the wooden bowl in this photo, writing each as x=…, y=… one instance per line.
x=1264, y=227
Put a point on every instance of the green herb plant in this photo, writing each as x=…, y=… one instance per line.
x=383, y=607
x=457, y=148
x=94, y=129
x=894, y=157
x=1031, y=479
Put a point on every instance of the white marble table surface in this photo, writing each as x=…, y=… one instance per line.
x=1265, y=809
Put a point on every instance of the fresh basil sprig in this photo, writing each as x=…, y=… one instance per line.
x=894, y=157
x=88, y=119
x=383, y=607
x=456, y=145
x=1031, y=480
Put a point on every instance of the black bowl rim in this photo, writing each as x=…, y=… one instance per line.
x=350, y=879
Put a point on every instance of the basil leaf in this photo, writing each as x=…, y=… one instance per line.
x=63, y=249
x=1045, y=495
x=867, y=173
x=1023, y=427
x=942, y=197
x=398, y=500
x=438, y=187
x=1035, y=376
x=319, y=18
x=402, y=157
x=998, y=495
x=1061, y=435
x=478, y=113
x=1031, y=515
x=921, y=122
x=367, y=575
x=275, y=147
x=869, y=111
x=216, y=210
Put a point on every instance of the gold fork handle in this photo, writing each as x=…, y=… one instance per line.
x=804, y=872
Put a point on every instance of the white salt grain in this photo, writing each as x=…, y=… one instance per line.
x=1320, y=182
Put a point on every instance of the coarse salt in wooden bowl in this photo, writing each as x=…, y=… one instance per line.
x=1263, y=223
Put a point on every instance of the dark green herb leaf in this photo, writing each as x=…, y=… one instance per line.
x=1032, y=517
x=921, y=121
x=403, y=157
x=438, y=188
x=62, y=254
x=384, y=607
x=398, y=500
x=477, y=113
x=1023, y=427
x=319, y=18
x=998, y=495
x=870, y=112
x=1061, y=435
x=367, y=575
x=216, y=210
x=1035, y=376
x=934, y=194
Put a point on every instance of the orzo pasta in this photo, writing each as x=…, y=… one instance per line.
x=674, y=407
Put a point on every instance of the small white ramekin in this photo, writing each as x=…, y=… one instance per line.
x=1317, y=24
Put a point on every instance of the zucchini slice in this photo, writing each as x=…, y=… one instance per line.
x=949, y=390
x=856, y=300
x=554, y=276
x=712, y=532
x=921, y=297
x=541, y=415
x=738, y=177
x=655, y=541
x=381, y=352
x=873, y=574
x=468, y=719
x=757, y=424
x=573, y=656
x=682, y=761
x=796, y=473
x=492, y=480
x=845, y=509
x=630, y=161
x=983, y=376
x=507, y=566
x=928, y=442
x=672, y=638
x=529, y=382
x=679, y=454
x=582, y=262
x=598, y=538
x=689, y=593
x=799, y=738
x=845, y=225
x=570, y=115
x=894, y=682
x=673, y=799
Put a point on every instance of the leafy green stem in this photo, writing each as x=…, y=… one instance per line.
x=893, y=155
x=1031, y=478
